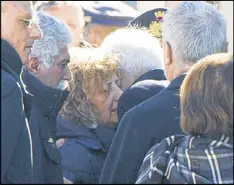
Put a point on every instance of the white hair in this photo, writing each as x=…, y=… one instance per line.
x=139, y=52
x=56, y=36
x=194, y=29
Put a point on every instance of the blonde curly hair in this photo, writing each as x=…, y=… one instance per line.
x=87, y=80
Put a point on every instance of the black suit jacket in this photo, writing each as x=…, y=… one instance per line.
x=140, y=128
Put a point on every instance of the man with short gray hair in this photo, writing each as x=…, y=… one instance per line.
x=191, y=31
x=46, y=77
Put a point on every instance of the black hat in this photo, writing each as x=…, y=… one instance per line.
x=109, y=13
x=151, y=20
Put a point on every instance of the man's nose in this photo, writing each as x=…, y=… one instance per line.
x=35, y=32
x=67, y=75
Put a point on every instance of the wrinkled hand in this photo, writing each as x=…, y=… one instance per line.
x=60, y=142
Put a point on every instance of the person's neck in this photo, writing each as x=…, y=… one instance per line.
x=180, y=70
x=179, y=73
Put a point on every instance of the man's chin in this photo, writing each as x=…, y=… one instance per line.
x=63, y=85
x=25, y=58
x=63, y=88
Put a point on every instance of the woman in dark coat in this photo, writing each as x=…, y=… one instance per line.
x=88, y=119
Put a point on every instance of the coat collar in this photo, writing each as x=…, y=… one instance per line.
x=154, y=74
x=48, y=99
x=12, y=64
x=177, y=82
x=103, y=134
x=10, y=57
x=67, y=128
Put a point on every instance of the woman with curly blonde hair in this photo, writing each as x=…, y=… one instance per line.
x=88, y=118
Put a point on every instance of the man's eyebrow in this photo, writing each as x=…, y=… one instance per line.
x=26, y=16
x=72, y=22
x=67, y=60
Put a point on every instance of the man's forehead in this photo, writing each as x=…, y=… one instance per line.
x=65, y=12
x=24, y=8
x=64, y=55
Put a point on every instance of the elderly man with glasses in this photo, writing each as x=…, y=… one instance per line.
x=28, y=152
x=18, y=32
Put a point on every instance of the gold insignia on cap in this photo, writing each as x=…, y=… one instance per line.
x=156, y=26
x=159, y=13
x=156, y=29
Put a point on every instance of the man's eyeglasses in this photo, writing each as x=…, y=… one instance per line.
x=29, y=22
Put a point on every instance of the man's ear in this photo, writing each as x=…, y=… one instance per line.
x=167, y=54
x=33, y=66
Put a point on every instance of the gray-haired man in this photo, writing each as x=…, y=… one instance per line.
x=191, y=31
x=46, y=77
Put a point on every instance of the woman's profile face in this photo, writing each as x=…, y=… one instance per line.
x=106, y=100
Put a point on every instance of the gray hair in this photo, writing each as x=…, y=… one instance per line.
x=194, y=29
x=139, y=52
x=56, y=35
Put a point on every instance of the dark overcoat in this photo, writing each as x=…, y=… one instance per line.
x=84, y=150
x=16, y=148
x=45, y=106
x=28, y=124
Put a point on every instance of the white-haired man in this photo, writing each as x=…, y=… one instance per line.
x=46, y=77
x=141, y=65
x=49, y=56
x=139, y=52
x=191, y=31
